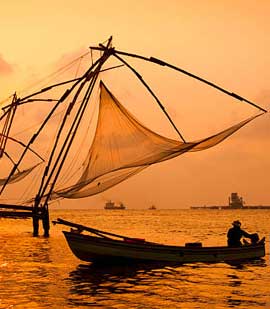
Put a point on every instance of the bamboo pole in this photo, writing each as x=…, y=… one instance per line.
x=67, y=143
x=163, y=63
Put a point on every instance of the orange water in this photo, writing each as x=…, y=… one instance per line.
x=43, y=273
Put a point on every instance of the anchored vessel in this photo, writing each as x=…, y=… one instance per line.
x=112, y=205
x=113, y=145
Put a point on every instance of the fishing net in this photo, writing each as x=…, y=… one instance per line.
x=122, y=147
x=18, y=176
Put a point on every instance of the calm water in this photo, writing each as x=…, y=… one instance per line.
x=43, y=273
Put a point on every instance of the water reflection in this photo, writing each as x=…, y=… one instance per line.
x=238, y=295
x=233, y=302
x=261, y=262
x=91, y=279
x=28, y=272
x=234, y=281
x=95, y=282
x=170, y=286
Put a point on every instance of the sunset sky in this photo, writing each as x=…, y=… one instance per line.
x=226, y=42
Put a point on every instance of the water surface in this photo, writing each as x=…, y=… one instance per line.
x=43, y=273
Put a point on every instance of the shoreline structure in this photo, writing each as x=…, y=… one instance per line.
x=235, y=202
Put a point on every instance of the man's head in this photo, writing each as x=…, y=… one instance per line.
x=236, y=223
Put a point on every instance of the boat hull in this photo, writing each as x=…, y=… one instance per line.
x=97, y=249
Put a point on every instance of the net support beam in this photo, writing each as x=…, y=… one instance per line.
x=163, y=63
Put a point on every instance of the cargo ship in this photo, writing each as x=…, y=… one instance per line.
x=112, y=205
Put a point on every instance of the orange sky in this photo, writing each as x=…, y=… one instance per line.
x=226, y=42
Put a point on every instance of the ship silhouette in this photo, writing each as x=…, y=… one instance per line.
x=235, y=202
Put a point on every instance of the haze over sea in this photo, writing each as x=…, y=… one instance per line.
x=43, y=273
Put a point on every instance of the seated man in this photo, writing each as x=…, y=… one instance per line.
x=235, y=234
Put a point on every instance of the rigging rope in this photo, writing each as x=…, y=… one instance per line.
x=152, y=93
x=65, y=175
x=49, y=77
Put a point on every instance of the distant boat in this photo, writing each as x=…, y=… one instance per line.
x=153, y=207
x=112, y=205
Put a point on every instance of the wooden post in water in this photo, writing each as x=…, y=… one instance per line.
x=43, y=214
x=45, y=220
x=35, y=219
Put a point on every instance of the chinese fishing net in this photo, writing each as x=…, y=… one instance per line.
x=122, y=147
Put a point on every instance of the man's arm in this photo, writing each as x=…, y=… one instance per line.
x=245, y=234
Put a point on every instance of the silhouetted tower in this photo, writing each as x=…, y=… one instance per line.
x=236, y=201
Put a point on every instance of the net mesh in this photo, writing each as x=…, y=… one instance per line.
x=122, y=147
x=18, y=176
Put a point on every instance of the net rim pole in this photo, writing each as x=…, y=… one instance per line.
x=209, y=83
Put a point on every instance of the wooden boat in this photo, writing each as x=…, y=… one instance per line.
x=110, y=248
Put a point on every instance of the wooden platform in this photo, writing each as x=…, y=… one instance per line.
x=16, y=211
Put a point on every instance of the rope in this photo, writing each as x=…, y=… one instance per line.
x=49, y=77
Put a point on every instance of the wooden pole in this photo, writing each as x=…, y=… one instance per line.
x=57, y=167
x=46, y=220
x=163, y=63
x=35, y=220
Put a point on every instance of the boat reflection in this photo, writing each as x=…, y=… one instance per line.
x=96, y=278
x=234, y=281
x=243, y=264
x=112, y=285
x=237, y=297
